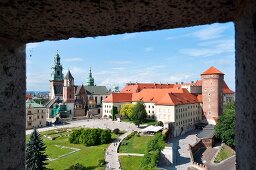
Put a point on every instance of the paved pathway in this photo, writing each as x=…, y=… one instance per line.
x=181, y=153
x=111, y=155
x=93, y=123
x=130, y=154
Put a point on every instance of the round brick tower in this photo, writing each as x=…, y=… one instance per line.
x=212, y=94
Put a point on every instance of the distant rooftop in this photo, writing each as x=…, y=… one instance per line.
x=207, y=132
x=31, y=103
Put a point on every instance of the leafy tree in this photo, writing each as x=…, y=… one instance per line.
x=35, y=152
x=160, y=123
x=152, y=153
x=225, y=128
x=114, y=111
x=127, y=110
x=77, y=166
x=90, y=137
x=105, y=136
x=139, y=114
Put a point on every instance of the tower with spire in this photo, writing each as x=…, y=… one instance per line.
x=68, y=88
x=90, y=79
x=57, y=69
x=56, y=81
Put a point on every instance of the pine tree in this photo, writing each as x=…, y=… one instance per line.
x=35, y=152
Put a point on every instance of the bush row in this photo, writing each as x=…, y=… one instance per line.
x=90, y=137
x=152, y=153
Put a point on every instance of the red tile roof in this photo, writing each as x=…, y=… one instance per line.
x=199, y=98
x=137, y=87
x=212, y=70
x=170, y=96
x=119, y=98
x=226, y=89
x=178, y=99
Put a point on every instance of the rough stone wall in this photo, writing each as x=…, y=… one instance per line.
x=12, y=104
x=245, y=27
x=37, y=20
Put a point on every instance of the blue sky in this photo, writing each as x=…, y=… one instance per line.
x=171, y=56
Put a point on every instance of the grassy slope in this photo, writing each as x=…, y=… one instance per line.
x=135, y=144
x=224, y=153
x=130, y=162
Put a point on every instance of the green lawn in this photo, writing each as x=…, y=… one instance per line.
x=87, y=156
x=130, y=162
x=224, y=153
x=135, y=144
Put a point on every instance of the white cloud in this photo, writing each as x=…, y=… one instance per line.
x=170, y=38
x=129, y=36
x=148, y=49
x=119, y=68
x=31, y=45
x=72, y=59
x=120, y=62
x=181, y=78
x=210, y=48
x=211, y=32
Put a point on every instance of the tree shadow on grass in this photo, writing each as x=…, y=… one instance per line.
x=92, y=167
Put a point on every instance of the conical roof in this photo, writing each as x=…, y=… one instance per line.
x=212, y=70
x=69, y=76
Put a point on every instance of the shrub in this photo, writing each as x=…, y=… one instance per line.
x=152, y=153
x=130, y=135
x=77, y=166
x=101, y=162
x=160, y=123
x=90, y=137
x=116, y=131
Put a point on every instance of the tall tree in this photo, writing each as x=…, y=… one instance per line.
x=225, y=128
x=139, y=114
x=114, y=112
x=127, y=110
x=35, y=152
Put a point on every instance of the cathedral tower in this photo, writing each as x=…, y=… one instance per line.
x=56, y=81
x=212, y=94
x=90, y=79
x=68, y=89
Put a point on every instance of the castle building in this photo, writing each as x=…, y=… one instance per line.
x=212, y=94
x=96, y=94
x=178, y=106
x=56, y=81
x=35, y=114
x=70, y=98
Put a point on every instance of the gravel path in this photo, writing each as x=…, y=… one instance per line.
x=93, y=123
x=111, y=155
